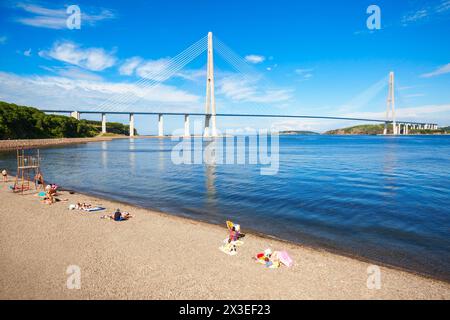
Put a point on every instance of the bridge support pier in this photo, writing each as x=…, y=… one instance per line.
x=160, y=125
x=131, y=124
x=103, y=122
x=385, y=128
x=406, y=128
x=75, y=114
x=186, y=126
x=207, y=133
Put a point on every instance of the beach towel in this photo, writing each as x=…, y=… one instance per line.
x=237, y=242
x=285, y=259
x=94, y=209
x=228, y=249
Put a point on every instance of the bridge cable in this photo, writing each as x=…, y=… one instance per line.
x=175, y=64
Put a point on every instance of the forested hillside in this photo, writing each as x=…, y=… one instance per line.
x=21, y=122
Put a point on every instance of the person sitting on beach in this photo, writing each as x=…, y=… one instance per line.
x=235, y=233
x=5, y=175
x=49, y=196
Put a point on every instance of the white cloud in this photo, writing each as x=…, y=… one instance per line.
x=128, y=67
x=73, y=73
x=415, y=95
x=158, y=70
x=414, y=16
x=427, y=12
x=444, y=6
x=192, y=75
x=56, y=92
x=27, y=53
x=253, y=58
x=441, y=70
x=154, y=69
x=435, y=113
x=3, y=39
x=238, y=88
x=439, y=114
x=94, y=59
x=43, y=17
x=304, y=73
x=297, y=124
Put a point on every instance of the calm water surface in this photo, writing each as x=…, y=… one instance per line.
x=383, y=198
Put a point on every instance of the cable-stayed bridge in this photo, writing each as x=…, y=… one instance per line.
x=122, y=103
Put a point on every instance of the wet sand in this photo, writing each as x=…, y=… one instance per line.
x=159, y=256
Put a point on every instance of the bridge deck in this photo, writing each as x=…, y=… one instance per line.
x=241, y=115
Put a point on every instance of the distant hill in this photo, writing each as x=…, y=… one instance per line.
x=371, y=129
x=296, y=132
x=21, y=122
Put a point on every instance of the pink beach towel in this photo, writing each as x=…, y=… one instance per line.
x=285, y=258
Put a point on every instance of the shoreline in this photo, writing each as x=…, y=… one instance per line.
x=8, y=145
x=182, y=245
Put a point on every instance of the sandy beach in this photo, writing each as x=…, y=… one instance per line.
x=34, y=143
x=159, y=256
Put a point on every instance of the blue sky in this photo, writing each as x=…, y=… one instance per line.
x=300, y=58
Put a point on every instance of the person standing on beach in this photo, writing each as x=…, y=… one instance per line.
x=39, y=180
x=5, y=175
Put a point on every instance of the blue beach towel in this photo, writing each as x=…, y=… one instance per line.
x=94, y=209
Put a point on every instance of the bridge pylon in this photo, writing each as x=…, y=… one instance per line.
x=210, y=106
x=390, y=106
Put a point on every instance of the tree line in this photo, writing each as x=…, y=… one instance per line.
x=22, y=122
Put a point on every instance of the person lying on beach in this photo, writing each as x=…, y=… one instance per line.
x=83, y=206
x=5, y=175
x=118, y=216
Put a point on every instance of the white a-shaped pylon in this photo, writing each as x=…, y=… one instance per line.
x=210, y=107
x=390, y=105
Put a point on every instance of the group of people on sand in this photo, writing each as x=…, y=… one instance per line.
x=49, y=197
x=268, y=258
x=49, y=194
